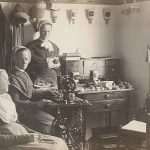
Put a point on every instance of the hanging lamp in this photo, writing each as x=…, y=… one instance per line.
x=38, y=9
x=18, y=16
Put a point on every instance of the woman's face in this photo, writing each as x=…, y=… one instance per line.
x=45, y=31
x=4, y=83
x=22, y=59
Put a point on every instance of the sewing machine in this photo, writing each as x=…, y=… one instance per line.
x=66, y=87
x=69, y=123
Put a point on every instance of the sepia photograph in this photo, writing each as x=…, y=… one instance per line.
x=74, y=75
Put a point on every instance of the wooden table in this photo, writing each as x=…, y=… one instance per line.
x=114, y=106
x=110, y=109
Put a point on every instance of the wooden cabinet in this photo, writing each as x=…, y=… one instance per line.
x=109, y=108
x=108, y=2
x=109, y=67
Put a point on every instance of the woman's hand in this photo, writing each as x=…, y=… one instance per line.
x=56, y=96
x=37, y=136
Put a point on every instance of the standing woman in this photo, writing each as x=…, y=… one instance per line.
x=44, y=62
x=28, y=100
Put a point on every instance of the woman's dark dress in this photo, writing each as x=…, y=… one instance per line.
x=24, y=95
x=38, y=66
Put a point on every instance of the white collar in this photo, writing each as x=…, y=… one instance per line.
x=19, y=69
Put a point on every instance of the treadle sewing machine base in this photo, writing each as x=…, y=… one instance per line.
x=70, y=122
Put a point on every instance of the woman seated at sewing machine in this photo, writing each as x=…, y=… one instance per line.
x=14, y=136
x=28, y=100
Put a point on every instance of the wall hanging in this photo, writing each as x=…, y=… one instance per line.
x=54, y=14
x=72, y=15
x=130, y=8
x=38, y=9
x=107, y=14
x=90, y=14
x=18, y=16
x=17, y=19
x=125, y=9
x=134, y=7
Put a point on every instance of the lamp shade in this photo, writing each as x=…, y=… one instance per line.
x=38, y=9
x=17, y=16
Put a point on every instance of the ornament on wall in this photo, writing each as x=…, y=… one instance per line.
x=37, y=11
x=126, y=9
x=54, y=14
x=90, y=14
x=130, y=8
x=134, y=7
x=107, y=14
x=72, y=15
x=18, y=16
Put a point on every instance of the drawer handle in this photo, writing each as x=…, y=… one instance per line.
x=76, y=64
x=107, y=106
x=106, y=96
x=112, y=69
x=114, y=62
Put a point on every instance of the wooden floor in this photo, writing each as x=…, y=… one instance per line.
x=93, y=145
x=117, y=141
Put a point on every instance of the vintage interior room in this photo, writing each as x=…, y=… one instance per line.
x=75, y=74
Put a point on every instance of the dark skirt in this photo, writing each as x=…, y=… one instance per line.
x=37, y=120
